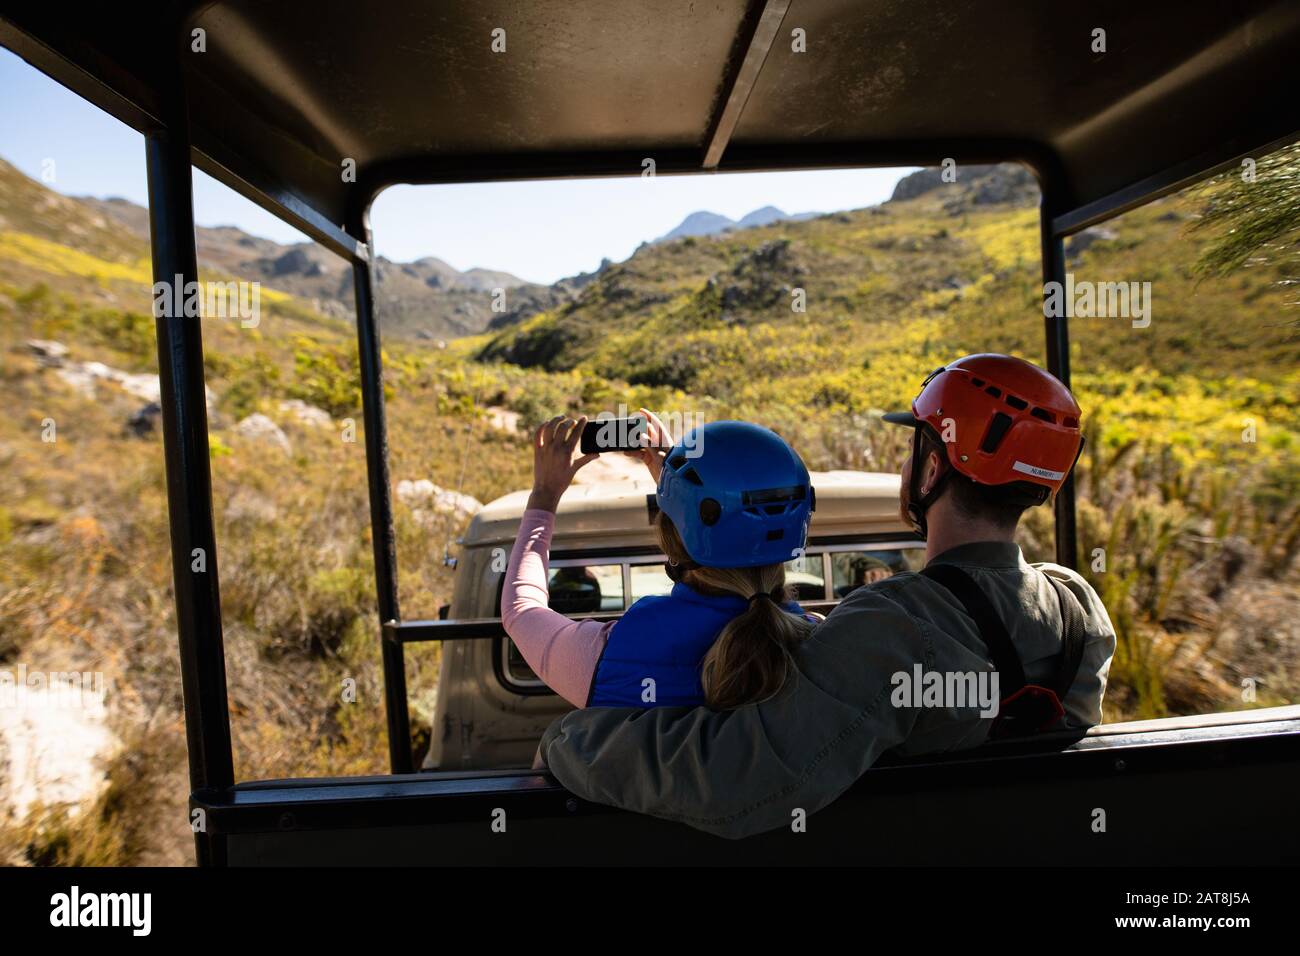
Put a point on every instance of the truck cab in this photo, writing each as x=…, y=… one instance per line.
x=491, y=708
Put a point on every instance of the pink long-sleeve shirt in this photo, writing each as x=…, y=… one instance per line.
x=562, y=652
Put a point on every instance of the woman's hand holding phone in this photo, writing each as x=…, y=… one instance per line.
x=553, y=463
x=658, y=442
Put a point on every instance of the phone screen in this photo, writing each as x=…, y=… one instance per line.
x=613, y=434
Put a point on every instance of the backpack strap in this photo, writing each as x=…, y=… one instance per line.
x=1072, y=637
x=1011, y=673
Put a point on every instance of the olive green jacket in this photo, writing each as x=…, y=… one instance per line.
x=739, y=772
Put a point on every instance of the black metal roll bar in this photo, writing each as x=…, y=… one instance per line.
x=384, y=541
x=466, y=629
x=183, y=397
x=487, y=628
x=1057, y=332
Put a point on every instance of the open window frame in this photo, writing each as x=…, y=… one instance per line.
x=1027, y=802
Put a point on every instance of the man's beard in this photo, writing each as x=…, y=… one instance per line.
x=904, y=499
x=905, y=488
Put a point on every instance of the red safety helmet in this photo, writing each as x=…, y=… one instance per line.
x=1001, y=420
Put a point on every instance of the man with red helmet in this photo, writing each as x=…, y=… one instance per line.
x=1003, y=432
x=993, y=436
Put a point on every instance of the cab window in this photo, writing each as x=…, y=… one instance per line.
x=647, y=580
x=806, y=577
x=586, y=588
x=851, y=570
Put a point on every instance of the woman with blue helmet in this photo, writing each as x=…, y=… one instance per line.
x=734, y=504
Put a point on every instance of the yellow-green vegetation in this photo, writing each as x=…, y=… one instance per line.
x=1188, y=517
x=60, y=260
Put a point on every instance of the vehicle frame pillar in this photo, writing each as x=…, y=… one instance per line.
x=183, y=397
x=383, y=538
x=1057, y=332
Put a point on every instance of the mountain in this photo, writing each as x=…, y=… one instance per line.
x=717, y=316
x=426, y=299
x=974, y=186
x=699, y=224
x=704, y=223
x=765, y=217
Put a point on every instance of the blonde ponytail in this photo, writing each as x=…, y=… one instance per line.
x=750, y=660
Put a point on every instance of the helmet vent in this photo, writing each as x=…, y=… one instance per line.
x=677, y=460
x=776, y=534
x=1071, y=423
x=1018, y=403
x=772, y=495
x=994, y=391
x=1044, y=414
x=693, y=476
x=710, y=511
x=997, y=431
x=977, y=382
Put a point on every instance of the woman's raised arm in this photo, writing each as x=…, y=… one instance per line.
x=562, y=652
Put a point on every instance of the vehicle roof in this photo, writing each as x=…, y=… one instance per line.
x=613, y=514
x=413, y=92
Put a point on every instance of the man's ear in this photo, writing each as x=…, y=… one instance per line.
x=933, y=469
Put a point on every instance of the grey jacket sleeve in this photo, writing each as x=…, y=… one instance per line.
x=735, y=773
x=1083, y=703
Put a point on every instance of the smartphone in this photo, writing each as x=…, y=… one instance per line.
x=613, y=434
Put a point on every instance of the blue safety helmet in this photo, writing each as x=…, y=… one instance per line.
x=738, y=495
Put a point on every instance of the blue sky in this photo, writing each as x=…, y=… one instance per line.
x=541, y=231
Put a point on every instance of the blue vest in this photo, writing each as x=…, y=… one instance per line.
x=664, y=638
